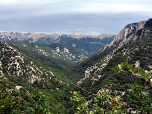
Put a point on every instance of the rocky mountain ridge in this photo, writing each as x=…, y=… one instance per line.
x=86, y=44
x=17, y=36
x=126, y=36
x=137, y=50
x=101, y=36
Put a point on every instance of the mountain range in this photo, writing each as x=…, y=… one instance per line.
x=56, y=64
x=87, y=44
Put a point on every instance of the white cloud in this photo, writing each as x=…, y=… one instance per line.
x=27, y=8
x=68, y=16
x=81, y=6
x=26, y=2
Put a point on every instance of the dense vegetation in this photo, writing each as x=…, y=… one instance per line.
x=55, y=89
x=81, y=67
x=59, y=65
x=138, y=98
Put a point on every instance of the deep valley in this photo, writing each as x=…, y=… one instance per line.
x=56, y=64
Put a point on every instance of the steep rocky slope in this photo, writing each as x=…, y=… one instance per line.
x=124, y=35
x=140, y=32
x=136, y=50
x=13, y=62
x=130, y=33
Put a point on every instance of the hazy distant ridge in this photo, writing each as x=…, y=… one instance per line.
x=17, y=36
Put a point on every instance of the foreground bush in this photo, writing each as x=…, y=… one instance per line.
x=139, y=98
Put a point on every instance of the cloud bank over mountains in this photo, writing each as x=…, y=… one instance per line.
x=76, y=16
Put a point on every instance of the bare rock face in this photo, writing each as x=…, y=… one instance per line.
x=124, y=34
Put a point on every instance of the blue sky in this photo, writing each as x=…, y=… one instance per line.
x=72, y=16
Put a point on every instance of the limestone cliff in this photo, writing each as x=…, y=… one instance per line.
x=124, y=34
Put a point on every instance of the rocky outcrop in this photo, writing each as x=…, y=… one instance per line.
x=66, y=54
x=12, y=62
x=124, y=35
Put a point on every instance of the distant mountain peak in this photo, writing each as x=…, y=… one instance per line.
x=79, y=36
x=18, y=36
x=104, y=35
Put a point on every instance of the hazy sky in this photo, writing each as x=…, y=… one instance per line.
x=72, y=16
